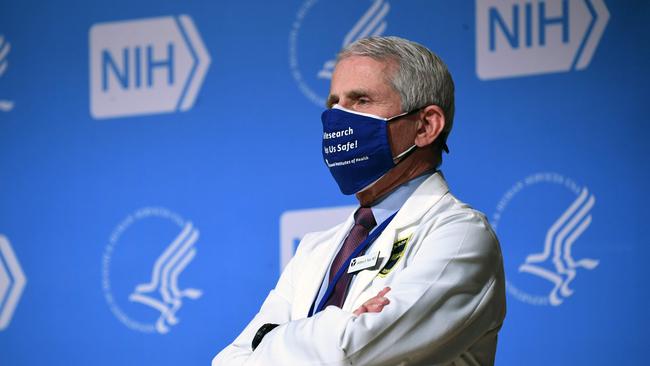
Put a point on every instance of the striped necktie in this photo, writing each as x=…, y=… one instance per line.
x=364, y=221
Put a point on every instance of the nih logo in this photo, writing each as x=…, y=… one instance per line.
x=12, y=282
x=145, y=66
x=523, y=37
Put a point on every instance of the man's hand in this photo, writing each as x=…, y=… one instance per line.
x=375, y=304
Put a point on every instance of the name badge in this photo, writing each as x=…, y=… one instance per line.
x=363, y=262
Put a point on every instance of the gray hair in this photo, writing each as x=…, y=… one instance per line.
x=422, y=78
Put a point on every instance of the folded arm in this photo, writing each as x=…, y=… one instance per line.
x=441, y=303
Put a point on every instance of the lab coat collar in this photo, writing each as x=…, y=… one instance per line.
x=396, y=199
x=416, y=206
x=425, y=196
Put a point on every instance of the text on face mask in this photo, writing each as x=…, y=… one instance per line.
x=350, y=145
x=336, y=134
x=346, y=162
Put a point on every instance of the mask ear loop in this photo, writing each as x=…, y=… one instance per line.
x=391, y=119
x=405, y=153
x=408, y=151
x=442, y=136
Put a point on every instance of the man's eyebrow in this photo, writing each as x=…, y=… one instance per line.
x=357, y=93
x=352, y=94
x=330, y=100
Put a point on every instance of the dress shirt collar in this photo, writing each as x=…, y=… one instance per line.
x=395, y=200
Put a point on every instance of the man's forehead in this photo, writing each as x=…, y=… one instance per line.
x=358, y=76
x=366, y=65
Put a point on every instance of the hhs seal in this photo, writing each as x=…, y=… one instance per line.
x=145, y=255
x=312, y=69
x=540, y=222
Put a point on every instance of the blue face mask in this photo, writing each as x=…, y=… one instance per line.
x=356, y=148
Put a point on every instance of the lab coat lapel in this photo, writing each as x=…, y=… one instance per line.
x=315, y=269
x=415, y=207
x=422, y=200
x=364, y=278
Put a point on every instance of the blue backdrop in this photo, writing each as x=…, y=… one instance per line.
x=157, y=158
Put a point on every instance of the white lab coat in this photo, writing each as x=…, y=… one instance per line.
x=447, y=298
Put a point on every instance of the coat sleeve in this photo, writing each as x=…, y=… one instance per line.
x=449, y=295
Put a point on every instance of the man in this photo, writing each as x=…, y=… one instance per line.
x=414, y=276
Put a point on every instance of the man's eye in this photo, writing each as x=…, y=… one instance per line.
x=363, y=101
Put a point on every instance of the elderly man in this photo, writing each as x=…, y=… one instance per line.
x=414, y=276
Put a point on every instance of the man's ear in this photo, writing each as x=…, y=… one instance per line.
x=430, y=125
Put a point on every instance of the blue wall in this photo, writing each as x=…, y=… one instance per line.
x=550, y=141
